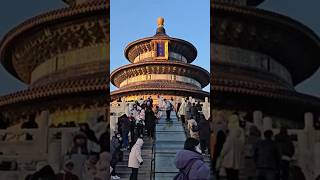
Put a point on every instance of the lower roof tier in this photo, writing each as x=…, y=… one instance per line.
x=160, y=88
x=198, y=74
x=288, y=105
x=262, y=93
x=55, y=95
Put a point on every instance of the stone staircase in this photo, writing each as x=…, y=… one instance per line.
x=145, y=170
x=159, y=162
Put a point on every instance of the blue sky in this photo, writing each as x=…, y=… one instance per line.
x=132, y=20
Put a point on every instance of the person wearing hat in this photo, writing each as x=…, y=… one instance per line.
x=67, y=174
x=190, y=162
x=115, y=153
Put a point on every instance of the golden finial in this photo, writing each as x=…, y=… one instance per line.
x=160, y=21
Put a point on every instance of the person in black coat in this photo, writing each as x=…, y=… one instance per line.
x=84, y=127
x=3, y=122
x=204, y=133
x=46, y=173
x=267, y=158
x=30, y=123
x=286, y=149
x=150, y=121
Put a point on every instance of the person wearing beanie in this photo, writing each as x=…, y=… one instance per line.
x=135, y=159
x=190, y=162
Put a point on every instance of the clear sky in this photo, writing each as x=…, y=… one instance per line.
x=132, y=20
x=135, y=19
x=12, y=13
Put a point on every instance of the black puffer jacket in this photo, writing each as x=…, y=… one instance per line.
x=267, y=155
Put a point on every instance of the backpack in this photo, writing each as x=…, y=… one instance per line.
x=184, y=173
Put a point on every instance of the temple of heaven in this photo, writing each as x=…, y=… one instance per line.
x=63, y=57
x=160, y=65
x=257, y=59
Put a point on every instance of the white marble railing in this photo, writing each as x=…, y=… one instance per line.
x=49, y=147
x=307, y=146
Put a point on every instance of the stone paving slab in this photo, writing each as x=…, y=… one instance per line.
x=165, y=163
x=169, y=127
x=168, y=147
x=170, y=136
x=164, y=176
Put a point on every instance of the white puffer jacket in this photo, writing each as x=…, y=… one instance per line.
x=135, y=155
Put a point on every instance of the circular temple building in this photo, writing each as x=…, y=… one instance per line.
x=63, y=57
x=257, y=58
x=160, y=66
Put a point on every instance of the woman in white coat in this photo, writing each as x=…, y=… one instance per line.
x=135, y=159
x=232, y=153
x=182, y=111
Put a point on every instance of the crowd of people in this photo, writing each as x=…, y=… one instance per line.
x=235, y=145
x=131, y=129
x=87, y=159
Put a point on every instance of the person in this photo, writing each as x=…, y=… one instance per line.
x=182, y=111
x=267, y=158
x=100, y=126
x=135, y=159
x=193, y=111
x=190, y=162
x=30, y=123
x=216, y=151
x=150, y=122
x=92, y=140
x=67, y=173
x=3, y=122
x=140, y=122
x=157, y=113
x=132, y=130
x=104, y=140
x=124, y=124
x=79, y=153
x=204, y=133
x=103, y=167
x=188, y=110
x=287, y=150
x=44, y=171
x=89, y=169
x=231, y=153
x=251, y=141
x=115, y=153
x=193, y=128
x=79, y=144
x=168, y=108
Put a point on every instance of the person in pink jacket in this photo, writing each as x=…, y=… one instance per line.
x=135, y=159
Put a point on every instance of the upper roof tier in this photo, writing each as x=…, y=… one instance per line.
x=27, y=50
x=160, y=47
